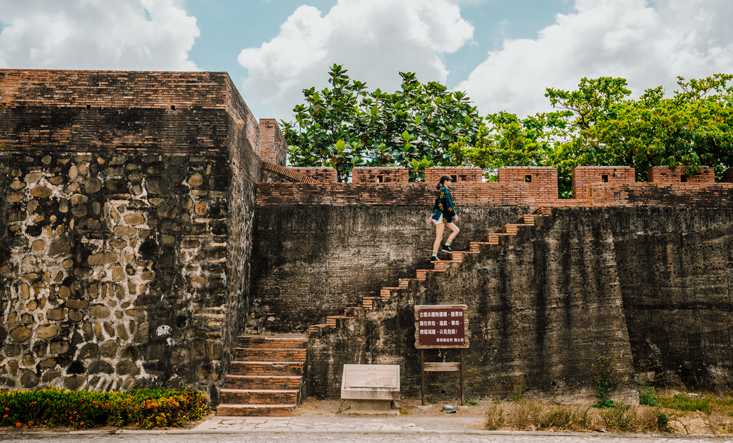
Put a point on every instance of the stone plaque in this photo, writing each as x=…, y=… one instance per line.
x=371, y=382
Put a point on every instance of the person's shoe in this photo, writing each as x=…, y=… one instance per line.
x=446, y=248
x=433, y=259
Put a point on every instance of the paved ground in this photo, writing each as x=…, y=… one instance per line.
x=326, y=421
x=321, y=437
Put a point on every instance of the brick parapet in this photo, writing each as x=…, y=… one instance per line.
x=327, y=175
x=458, y=174
x=405, y=194
x=715, y=195
x=542, y=181
x=663, y=174
x=132, y=111
x=362, y=175
x=586, y=175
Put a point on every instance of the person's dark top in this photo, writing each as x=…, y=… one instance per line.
x=443, y=205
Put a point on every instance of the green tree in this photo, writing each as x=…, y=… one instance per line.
x=345, y=126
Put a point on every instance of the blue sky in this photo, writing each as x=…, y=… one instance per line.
x=504, y=53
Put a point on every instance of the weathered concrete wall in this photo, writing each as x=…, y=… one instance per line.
x=314, y=261
x=543, y=304
x=676, y=274
x=126, y=211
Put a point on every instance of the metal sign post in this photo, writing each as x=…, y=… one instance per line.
x=441, y=327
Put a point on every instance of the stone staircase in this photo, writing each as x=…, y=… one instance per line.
x=368, y=303
x=264, y=376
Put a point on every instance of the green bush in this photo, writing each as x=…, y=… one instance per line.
x=145, y=408
x=647, y=396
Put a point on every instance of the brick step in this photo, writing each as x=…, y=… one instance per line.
x=527, y=220
x=494, y=236
x=255, y=410
x=333, y=320
x=510, y=228
x=259, y=396
x=367, y=302
x=265, y=368
x=275, y=354
x=442, y=265
x=272, y=341
x=543, y=211
x=457, y=256
x=475, y=246
x=262, y=382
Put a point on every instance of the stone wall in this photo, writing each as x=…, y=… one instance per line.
x=126, y=208
x=543, y=304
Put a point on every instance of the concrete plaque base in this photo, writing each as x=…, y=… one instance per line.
x=375, y=407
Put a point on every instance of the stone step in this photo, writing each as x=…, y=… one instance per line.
x=255, y=410
x=259, y=396
x=274, y=354
x=265, y=368
x=272, y=341
x=262, y=382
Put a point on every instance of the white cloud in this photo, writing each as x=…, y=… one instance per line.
x=96, y=34
x=373, y=39
x=648, y=44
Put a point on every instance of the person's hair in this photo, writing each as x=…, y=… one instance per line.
x=442, y=180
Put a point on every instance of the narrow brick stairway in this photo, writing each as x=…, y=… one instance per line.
x=368, y=303
x=265, y=376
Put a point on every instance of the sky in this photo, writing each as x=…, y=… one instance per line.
x=503, y=53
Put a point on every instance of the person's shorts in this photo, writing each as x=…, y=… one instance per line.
x=438, y=221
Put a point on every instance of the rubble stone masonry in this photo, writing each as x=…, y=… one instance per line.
x=126, y=207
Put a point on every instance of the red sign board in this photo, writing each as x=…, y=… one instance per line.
x=441, y=326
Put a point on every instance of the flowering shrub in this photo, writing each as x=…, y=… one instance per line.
x=145, y=408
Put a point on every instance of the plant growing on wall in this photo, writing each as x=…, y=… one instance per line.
x=603, y=370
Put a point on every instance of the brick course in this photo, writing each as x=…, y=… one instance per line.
x=361, y=175
x=327, y=175
x=458, y=174
x=92, y=111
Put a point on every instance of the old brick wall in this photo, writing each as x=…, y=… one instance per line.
x=711, y=195
x=410, y=194
x=586, y=175
x=327, y=175
x=459, y=174
x=361, y=175
x=663, y=174
x=125, y=228
x=542, y=181
x=273, y=147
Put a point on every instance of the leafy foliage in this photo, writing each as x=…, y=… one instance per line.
x=345, y=125
x=424, y=125
x=146, y=408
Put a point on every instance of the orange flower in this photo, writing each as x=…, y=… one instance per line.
x=5, y=416
x=30, y=423
x=19, y=424
x=7, y=409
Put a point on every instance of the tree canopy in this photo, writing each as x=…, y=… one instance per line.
x=597, y=124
